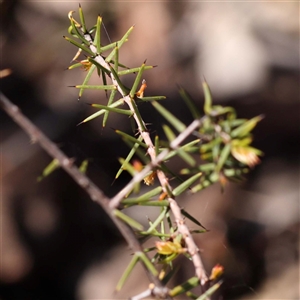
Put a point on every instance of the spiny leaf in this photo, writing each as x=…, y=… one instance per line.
x=137, y=80
x=116, y=61
x=190, y=104
x=75, y=66
x=155, y=203
x=210, y=291
x=186, y=184
x=97, y=40
x=96, y=87
x=79, y=45
x=78, y=33
x=99, y=66
x=158, y=220
x=110, y=101
x=133, y=70
x=129, y=156
x=169, y=133
x=207, y=98
x=246, y=128
x=223, y=157
x=131, y=222
x=81, y=15
x=102, y=111
x=127, y=272
x=167, y=277
x=84, y=165
x=147, y=263
x=116, y=110
x=108, y=47
x=156, y=141
x=119, y=44
x=131, y=138
x=125, y=90
x=186, y=286
x=51, y=167
x=186, y=214
x=145, y=197
x=87, y=78
x=176, y=123
x=152, y=98
x=180, y=151
x=140, y=152
x=189, y=147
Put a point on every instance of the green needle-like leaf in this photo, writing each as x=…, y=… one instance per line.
x=190, y=104
x=180, y=151
x=246, y=128
x=78, y=33
x=129, y=156
x=148, y=263
x=131, y=222
x=178, y=125
x=150, y=194
x=96, y=87
x=156, y=141
x=172, y=272
x=116, y=110
x=207, y=98
x=116, y=62
x=189, y=147
x=84, y=165
x=97, y=41
x=75, y=66
x=110, y=101
x=186, y=184
x=186, y=157
x=139, y=152
x=158, y=220
x=131, y=138
x=127, y=272
x=124, y=89
x=52, y=166
x=143, y=198
x=169, y=133
x=223, y=157
x=100, y=67
x=137, y=80
x=155, y=203
x=152, y=98
x=206, y=182
x=81, y=15
x=186, y=286
x=87, y=78
x=210, y=145
x=186, y=214
x=131, y=170
x=210, y=291
x=119, y=44
x=133, y=70
x=102, y=111
x=108, y=47
x=86, y=49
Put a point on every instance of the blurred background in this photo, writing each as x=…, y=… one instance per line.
x=55, y=242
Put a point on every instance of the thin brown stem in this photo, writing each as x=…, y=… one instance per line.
x=163, y=179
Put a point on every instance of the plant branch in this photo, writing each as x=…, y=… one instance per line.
x=115, y=202
x=155, y=160
x=164, y=182
x=37, y=136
